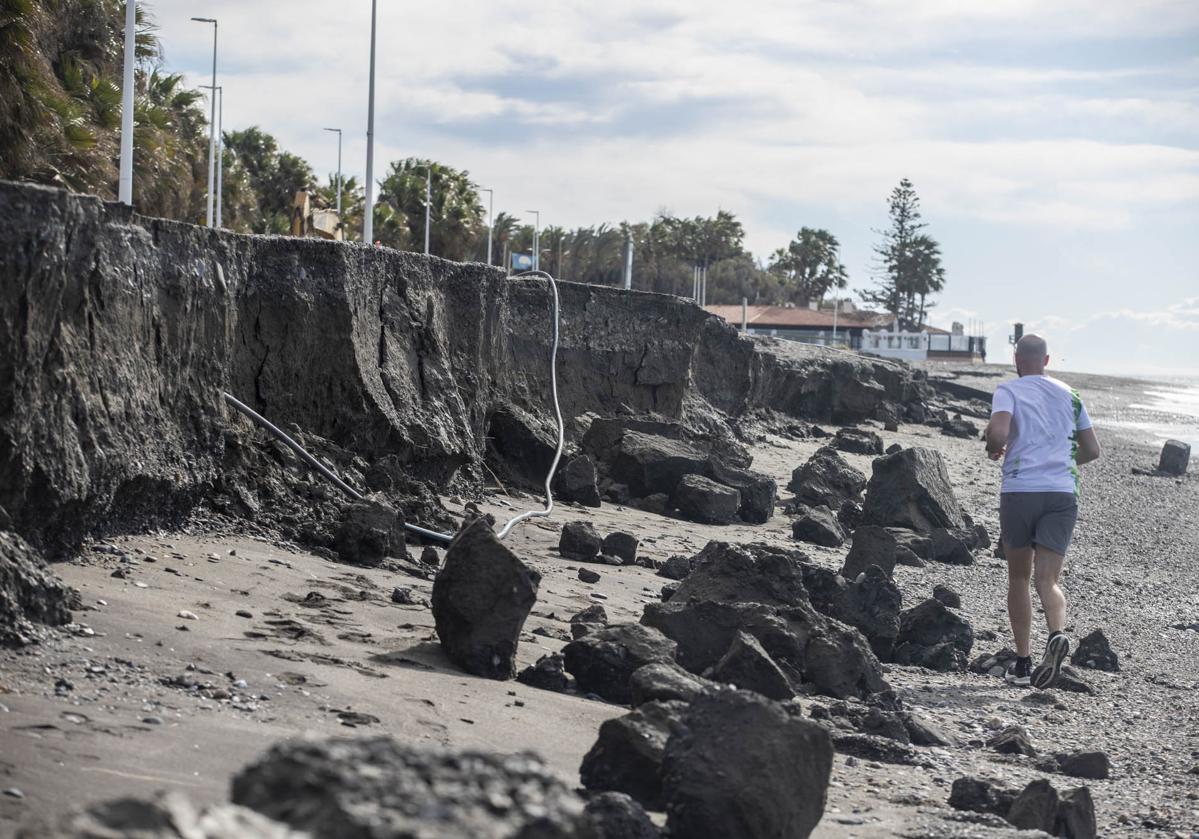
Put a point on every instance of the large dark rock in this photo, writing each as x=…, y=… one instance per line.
x=744, y=574
x=676, y=567
x=377, y=788
x=871, y=545
x=614, y=815
x=827, y=479
x=647, y=464
x=1035, y=808
x=30, y=593
x=370, y=530
x=932, y=636
x=621, y=545
x=758, y=491
x=665, y=681
x=869, y=603
x=579, y=541
x=819, y=526
x=858, y=441
x=1096, y=652
x=746, y=665
x=481, y=598
x=702, y=500
x=806, y=645
x=950, y=547
x=1175, y=457
x=947, y=597
x=963, y=429
x=603, y=661
x=627, y=754
x=911, y=489
x=1013, y=740
x=744, y=766
x=168, y=815
x=979, y=795
x=547, y=673
x=1076, y=815
x=576, y=481
x=1092, y=765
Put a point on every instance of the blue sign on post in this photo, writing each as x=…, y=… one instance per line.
x=522, y=262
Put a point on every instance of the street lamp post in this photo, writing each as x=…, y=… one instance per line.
x=536, y=239
x=490, y=219
x=428, y=203
x=125, y=183
x=338, y=130
x=220, y=149
x=368, y=220
x=211, y=124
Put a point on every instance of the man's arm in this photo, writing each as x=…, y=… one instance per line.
x=1088, y=447
x=997, y=433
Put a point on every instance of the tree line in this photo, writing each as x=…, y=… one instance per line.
x=60, y=65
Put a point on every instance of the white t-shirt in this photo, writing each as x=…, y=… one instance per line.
x=1046, y=417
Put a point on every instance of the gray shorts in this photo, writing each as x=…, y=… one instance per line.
x=1038, y=518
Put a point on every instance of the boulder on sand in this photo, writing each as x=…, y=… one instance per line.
x=747, y=666
x=809, y=647
x=758, y=491
x=827, y=479
x=481, y=598
x=376, y=786
x=870, y=603
x=663, y=681
x=30, y=593
x=911, y=489
x=547, y=674
x=872, y=545
x=604, y=660
x=647, y=463
x=576, y=481
x=702, y=500
x=579, y=541
x=858, y=441
x=614, y=815
x=627, y=753
x=1096, y=652
x=819, y=526
x=932, y=636
x=1175, y=457
x=745, y=766
x=743, y=574
x=620, y=545
x=369, y=531
x=951, y=547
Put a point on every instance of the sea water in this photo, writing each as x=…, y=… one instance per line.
x=1169, y=410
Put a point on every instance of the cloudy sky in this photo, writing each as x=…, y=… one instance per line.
x=1055, y=146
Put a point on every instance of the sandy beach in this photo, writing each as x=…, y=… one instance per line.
x=196, y=651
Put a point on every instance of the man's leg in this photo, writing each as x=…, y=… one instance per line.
x=1048, y=566
x=1019, y=599
x=1048, y=569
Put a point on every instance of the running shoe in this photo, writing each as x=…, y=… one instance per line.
x=1056, y=649
x=1019, y=672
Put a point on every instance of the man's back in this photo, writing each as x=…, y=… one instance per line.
x=1047, y=415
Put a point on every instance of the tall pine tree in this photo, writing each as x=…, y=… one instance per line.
x=909, y=262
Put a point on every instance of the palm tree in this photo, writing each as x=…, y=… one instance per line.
x=456, y=214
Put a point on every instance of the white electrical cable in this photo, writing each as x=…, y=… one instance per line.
x=432, y=534
x=549, y=478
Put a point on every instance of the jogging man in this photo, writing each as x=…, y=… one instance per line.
x=1041, y=430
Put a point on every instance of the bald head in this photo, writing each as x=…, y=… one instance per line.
x=1032, y=354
